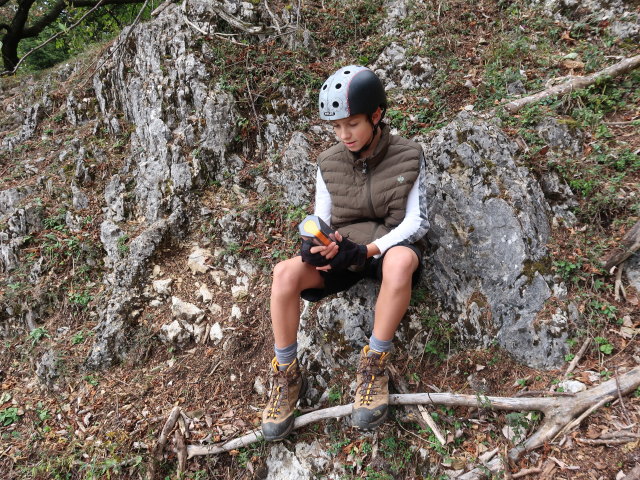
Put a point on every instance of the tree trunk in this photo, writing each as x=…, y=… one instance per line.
x=9, y=51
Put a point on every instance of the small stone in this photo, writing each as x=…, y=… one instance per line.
x=215, y=309
x=198, y=260
x=163, y=287
x=155, y=303
x=215, y=334
x=205, y=294
x=239, y=292
x=572, y=386
x=236, y=313
x=258, y=386
x=186, y=311
x=216, y=275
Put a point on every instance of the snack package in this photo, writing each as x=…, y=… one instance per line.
x=314, y=229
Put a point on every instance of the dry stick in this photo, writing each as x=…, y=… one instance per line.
x=624, y=408
x=525, y=472
x=619, y=291
x=578, y=356
x=557, y=412
x=619, y=68
x=604, y=441
x=422, y=415
x=156, y=454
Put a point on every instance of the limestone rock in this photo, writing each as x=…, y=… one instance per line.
x=488, y=235
x=294, y=171
x=215, y=334
x=186, y=311
x=205, y=294
x=162, y=287
x=572, y=386
x=198, y=260
x=174, y=333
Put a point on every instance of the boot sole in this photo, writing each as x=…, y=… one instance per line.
x=282, y=436
x=373, y=425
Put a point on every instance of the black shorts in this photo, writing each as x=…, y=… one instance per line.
x=342, y=280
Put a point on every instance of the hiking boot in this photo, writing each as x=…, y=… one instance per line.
x=371, y=404
x=288, y=387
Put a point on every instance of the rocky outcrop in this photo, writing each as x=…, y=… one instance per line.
x=489, y=227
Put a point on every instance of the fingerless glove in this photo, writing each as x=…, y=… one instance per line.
x=314, y=259
x=349, y=254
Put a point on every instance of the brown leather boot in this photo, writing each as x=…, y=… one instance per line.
x=288, y=387
x=371, y=404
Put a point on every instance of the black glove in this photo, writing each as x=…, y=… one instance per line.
x=349, y=253
x=314, y=259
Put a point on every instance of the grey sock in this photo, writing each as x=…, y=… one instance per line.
x=286, y=355
x=380, y=346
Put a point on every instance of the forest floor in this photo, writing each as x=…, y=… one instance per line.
x=102, y=424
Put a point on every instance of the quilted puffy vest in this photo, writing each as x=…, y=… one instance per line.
x=369, y=195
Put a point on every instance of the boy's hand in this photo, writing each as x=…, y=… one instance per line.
x=310, y=254
x=349, y=253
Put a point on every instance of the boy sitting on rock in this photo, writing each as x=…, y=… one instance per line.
x=371, y=189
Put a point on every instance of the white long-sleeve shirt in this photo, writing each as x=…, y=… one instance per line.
x=414, y=225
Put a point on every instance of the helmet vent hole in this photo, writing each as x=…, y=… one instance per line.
x=338, y=86
x=322, y=104
x=324, y=86
x=335, y=104
x=347, y=72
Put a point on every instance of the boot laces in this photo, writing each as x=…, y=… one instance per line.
x=279, y=394
x=370, y=369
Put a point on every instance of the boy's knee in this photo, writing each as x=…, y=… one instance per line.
x=287, y=275
x=399, y=263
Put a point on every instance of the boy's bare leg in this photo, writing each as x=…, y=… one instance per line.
x=290, y=277
x=371, y=403
x=398, y=266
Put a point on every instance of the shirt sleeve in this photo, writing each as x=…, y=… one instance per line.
x=323, y=200
x=415, y=224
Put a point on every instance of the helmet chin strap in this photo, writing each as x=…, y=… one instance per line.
x=374, y=130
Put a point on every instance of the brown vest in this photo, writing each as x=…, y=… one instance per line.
x=369, y=195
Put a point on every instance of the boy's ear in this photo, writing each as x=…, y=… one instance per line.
x=376, y=116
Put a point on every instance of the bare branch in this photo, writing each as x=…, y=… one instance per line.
x=37, y=27
x=51, y=39
x=619, y=68
x=558, y=412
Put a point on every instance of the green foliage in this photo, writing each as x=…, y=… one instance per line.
x=37, y=334
x=603, y=345
x=9, y=416
x=100, y=26
x=568, y=270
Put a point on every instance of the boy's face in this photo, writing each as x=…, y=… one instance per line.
x=354, y=131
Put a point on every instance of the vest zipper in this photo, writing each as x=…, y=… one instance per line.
x=371, y=209
x=365, y=168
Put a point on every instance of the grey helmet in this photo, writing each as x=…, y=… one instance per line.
x=349, y=91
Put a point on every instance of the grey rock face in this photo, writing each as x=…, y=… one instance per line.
x=624, y=21
x=632, y=269
x=488, y=234
x=163, y=88
x=294, y=171
x=396, y=68
x=47, y=369
x=307, y=462
x=560, y=135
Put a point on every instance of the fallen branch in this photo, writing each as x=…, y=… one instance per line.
x=558, y=412
x=619, y=68
x=605, y=441
x=156, y=454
